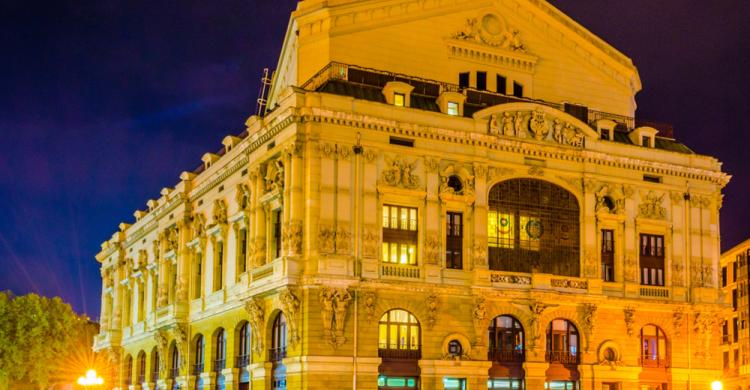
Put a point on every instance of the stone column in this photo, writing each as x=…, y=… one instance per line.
x=371, y=215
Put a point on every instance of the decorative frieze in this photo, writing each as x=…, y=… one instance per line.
x=651, y=206
x=510, y=279
x=570, y=283
x=400, y=173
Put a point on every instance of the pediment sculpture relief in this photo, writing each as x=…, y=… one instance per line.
x=651, y=206
x=491, y=30
x=610, y=199
x=400, y=173
x=537, y=125
x=274, y=179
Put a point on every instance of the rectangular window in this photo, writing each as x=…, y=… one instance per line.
x=399, y=99
x=734, y=271
x=501, y=84
x=219, y=266
x=482, y=81
x=608, y=255
x=241, y=252
x=735, y=330
x=463, y=80
x=531, y=232
x=605, y=135
x=646, y=141
x=725, y=332
x=726, y=360
x=400, y=234
x=141, y=301
x=454, y=241
x=277, y=234
x=652, y=259
x=723, y=276
x=734, y=299
x=453, y=108
x=409, y=143
x=517, y=90
x=198, y=276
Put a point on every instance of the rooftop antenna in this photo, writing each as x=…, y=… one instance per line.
x=265, y=82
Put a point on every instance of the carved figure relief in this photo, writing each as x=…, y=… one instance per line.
x=369, y=302
x=480, y=251
x=537, y=309
x=610, y=199
x=181, y=340
x=259, y=257
x=294, y=237
x=326, y=237
x=161, y=347
x=590, y=263
x=256, y=311
x=399, y=173
x=219, y=212
x=173, y=239
x=629, y=314
x=432, y=309
x=703, y=326
x=274, y=178
x=491, y=30
x=494, y=125
x=199, y=226
x=508, y=128
x=432, y=249
x=651, y=206
x=678, y=320
x=538, y=125
x=290, y=304
x=370, y=241
x=589, y=321
x=142, y=259
x=243, y=196
x=479, y=314
x=343, y=239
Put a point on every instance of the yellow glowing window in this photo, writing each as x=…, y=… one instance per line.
x=452, y=108
x=400, y=227
x=399, y=99
x=500, y=229
x=530, y=232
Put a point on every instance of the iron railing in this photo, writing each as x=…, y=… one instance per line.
x=562, y=357
x=654, y=361
x=242, y=361
x=219, y=364
x=513, y=356
x=197, y=368
x=276, y=354
x=401, y=354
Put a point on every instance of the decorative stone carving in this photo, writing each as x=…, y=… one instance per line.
x=181, y=340
x=537, y=309
x=399, y=173
x=492, y=31
x=370, y=241
x=370, y=155
x=242, y=196
x=199, y=226
x=326, y=237
x=294, y=149
x=570, y=283
x=678, y=269
x=498, y=172
x=629, y=314
x=480, y=171
x=539, y=125
x=610, y=200
x=161, y=347
x=342, y=299
x=678, y=320
x=294, y=237
x=590, y=263
x=432, y=249
x=432, y=309
x=256, y=311
x=510, y=279
x=494, y=125
x=520, y=124
x=508, y=127
x=259, y=256
x=219, y=212
x=589, y=320
x=480, y=251
x=703, y=327
x=274, y=178
x=290, y=304
x=651, y=206
x=431, y=164
x=173, y=239
x=631, y=268
x=142, y=259
x=676, y=197
x=343, y=239
x=479, y=314
x=536, y=171
x=369, y=300
x=590, y=185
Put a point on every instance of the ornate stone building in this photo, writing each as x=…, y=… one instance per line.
x=443, y=194
x=735, y=336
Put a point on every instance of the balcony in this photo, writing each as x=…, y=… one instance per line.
x=174, y=373
x=155, y=376
x=562, y=357
x=400, y=354
x=219, y=364
x=141, y=378
x=514, y=356
x=197, y=369
x=276, y=354
x=399, y=271
x=654, y=292
x=654, y=361
x=242, y=361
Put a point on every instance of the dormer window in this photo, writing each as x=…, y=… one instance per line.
x=398, y=93
x=646, y=141
x=399, y=99
x=605, y=136
x=453, y=108
x=606, y=129
x=644, y=136
x=451, y=103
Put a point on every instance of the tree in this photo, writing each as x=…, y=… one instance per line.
x=38, y=336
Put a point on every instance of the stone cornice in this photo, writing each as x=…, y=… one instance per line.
x=525, y=147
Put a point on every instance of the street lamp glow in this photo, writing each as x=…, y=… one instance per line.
x=716, y=385
x=91, y=379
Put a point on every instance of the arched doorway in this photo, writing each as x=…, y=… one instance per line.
x=399, y=347
x=506, y=352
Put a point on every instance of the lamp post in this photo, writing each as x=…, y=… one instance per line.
x=90, y=379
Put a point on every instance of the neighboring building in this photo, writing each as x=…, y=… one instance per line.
x=735, y=336
x=442, y=195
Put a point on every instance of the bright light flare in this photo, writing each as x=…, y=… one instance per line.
x=717, y=385
x=91, y=379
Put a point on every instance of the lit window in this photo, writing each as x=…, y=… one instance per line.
x=453, y=108
x=399, y=235
x=399, y=99
x=398, y=335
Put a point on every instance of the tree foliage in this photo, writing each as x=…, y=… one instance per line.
x=36, y=336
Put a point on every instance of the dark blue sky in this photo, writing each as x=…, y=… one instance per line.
x=103, y=103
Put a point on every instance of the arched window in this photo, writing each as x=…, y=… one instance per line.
x=533, y=226
x=199, y=347
x=243, y=346
x=506, y=340
x=278, y=339
x=175, y=367
x=154, y=365
x=141, y=367
x=398, y=336
x=653, y=347
x=562, y=342
x=128, y=376
x=220, y=352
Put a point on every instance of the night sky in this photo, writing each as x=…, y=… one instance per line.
x=103, y=103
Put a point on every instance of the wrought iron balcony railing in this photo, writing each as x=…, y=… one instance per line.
x=276, y=354
x=415, y=353
x=654, y=361
x=242, y=361
x=219, y=364
x=562, y=357
x=514, y=356
x=197, y=368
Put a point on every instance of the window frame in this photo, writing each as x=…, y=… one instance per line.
x=652, y=259
x=497, y=342
x=453, y=241
x=403, y=238
x=607, y=254
x=403, y=347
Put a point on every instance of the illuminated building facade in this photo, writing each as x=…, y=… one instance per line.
x=441, y=195
x=735, y=336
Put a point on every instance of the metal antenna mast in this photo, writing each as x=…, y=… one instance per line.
x=265, y=82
